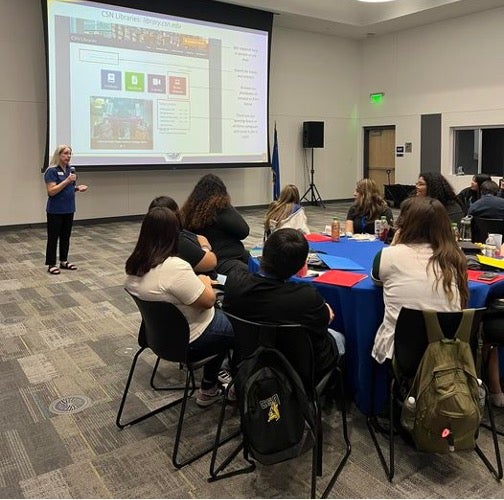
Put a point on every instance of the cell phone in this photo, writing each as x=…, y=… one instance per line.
x=487, y=276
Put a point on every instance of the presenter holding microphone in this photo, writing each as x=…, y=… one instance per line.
x=61, y=186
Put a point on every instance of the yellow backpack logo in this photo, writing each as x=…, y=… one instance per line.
x=274, y=412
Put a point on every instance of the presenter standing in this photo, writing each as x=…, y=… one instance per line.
x=60, y=181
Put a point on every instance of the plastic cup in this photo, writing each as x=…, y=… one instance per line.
x=497, y=238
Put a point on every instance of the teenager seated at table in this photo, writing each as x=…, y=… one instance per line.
x=472, y=193
x=267, y=296
x=208, y=211
x=286, y=212
x=434, y=185
x=193, y=248
x=155, y=273
x=367, y=207
x=422, y=269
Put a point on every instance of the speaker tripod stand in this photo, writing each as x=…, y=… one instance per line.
x=314, y=197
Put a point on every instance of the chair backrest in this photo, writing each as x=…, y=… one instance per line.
x=292, y=340
x=410, y=337
x=481, y=226
x=164, y=330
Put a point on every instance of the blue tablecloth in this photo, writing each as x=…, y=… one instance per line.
x=358, y=314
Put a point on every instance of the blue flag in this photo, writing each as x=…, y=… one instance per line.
x=275, y=167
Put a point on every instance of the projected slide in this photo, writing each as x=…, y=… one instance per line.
x=129, y=87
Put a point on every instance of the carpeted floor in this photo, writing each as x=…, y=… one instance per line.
x=66, y=346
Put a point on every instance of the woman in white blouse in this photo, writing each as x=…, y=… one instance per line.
x=422, y=269
x=155, y=273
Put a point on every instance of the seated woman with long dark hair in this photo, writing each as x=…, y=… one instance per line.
x=422, y=269
x=433, y=184
x=155, y=273
x=208, y=211
x=472, y=193
x=193, y=248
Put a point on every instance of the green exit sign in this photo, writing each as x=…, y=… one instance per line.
x=377, y=97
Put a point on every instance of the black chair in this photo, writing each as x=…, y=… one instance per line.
x=410, y=342
x=482, y=226
x=493, y=333
x=294, y=342
x=164, y=329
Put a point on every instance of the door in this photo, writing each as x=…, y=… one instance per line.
x=379, y=155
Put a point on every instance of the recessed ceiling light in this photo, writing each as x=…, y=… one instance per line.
x=376, y=1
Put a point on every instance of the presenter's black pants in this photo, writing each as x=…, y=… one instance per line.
x=59, y=226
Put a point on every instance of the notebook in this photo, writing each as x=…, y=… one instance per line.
x=334, y=262
x=473, y=275
x=340, y=278
x=315, y=237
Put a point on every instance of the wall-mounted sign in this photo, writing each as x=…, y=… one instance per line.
x=399, y=150
x=408, y=147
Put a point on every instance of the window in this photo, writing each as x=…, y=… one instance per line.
x=479, y=150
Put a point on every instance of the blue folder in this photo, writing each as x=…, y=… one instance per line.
x=342, y=263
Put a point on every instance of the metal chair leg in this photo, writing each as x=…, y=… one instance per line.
x=170, y=388
x=348, y=446
x=134, y=421
x=176, y=463
x=214, y=471
x=496, y=473
x=372, y=425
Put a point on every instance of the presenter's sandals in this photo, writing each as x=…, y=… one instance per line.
x=67, y=265
x=53, y=270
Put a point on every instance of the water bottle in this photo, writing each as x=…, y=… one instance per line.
x=481, y=393
x=335, y=230
x=490, y=246
x=384, y=228
x=455, y=230
x=377, y=228
x=409, y=413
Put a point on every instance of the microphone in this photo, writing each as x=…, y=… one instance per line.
x=72, y=171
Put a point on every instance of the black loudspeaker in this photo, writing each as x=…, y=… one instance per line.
x=313, y=134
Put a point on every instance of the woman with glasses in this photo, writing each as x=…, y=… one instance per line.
x=434, y=185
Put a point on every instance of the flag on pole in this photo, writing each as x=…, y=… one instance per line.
x=275, y=167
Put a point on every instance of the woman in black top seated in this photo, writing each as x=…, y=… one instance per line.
x=368, y=207
x=470, y=194
x=208, y=211
x=433, y=184
x=193, y=248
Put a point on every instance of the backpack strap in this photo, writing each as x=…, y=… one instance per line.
x=464, y=330
x=435, y=332
x=432, y=327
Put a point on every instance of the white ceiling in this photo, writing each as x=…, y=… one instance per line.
x=354, y=19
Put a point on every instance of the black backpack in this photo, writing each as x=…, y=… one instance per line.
x=277, y=419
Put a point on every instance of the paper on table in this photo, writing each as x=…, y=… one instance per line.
x=490, y=261
x=474, y=275
x=317, y=237
x=341, y=278
x=334, y=262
